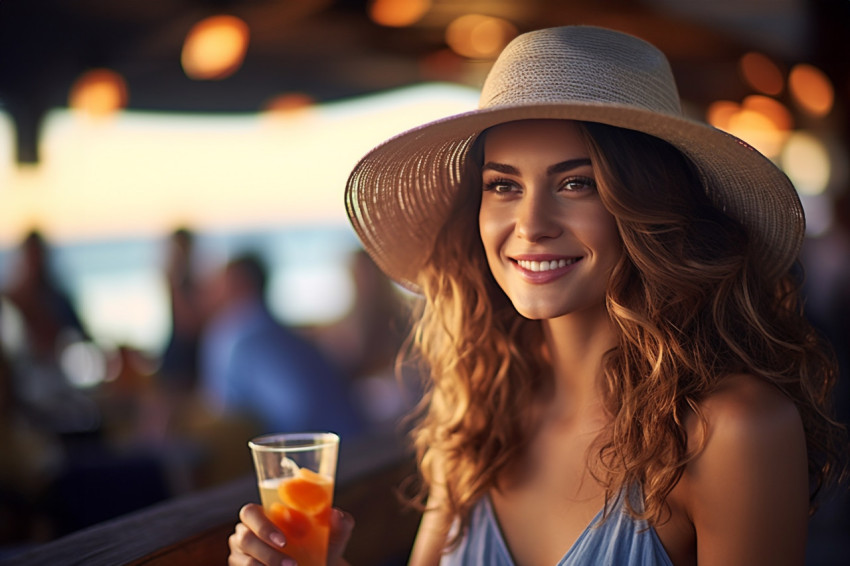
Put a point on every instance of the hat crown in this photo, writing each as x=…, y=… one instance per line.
x=581, y=64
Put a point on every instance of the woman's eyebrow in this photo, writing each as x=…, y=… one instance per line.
x=567, y=165
x=561, y=167
x=500, y=167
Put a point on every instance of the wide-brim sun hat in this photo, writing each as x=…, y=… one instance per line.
x=400, y=194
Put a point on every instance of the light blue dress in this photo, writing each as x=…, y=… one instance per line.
x=618, y=540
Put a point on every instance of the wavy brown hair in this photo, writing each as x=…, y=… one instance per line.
x=690, y=301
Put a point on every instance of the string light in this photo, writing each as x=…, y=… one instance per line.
x=215, y=48
x=761, y=73
x=479, y=37
x=98, y=93
x=811, y=89
x=398, y=13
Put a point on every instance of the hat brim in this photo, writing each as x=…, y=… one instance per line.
x=399, y=195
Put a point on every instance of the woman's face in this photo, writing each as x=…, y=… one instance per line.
x=550, y=243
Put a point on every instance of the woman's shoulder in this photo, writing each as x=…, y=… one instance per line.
x=745, y=430
x=746, y=409
x=747, y=481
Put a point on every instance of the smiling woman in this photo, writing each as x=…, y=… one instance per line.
x=618, y=368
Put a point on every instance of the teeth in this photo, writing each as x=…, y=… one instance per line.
x=545, y=265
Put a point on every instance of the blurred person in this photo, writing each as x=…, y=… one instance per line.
x=49, y=316
x=49, y=324
x=253, y=364
x=31, y=458
x=178, y=368
x=375, y=326
x=365, y=342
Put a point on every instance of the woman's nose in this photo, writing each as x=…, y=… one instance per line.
x=537, y=217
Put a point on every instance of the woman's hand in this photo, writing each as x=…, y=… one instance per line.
x=256, y=540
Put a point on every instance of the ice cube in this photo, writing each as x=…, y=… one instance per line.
x=287, y=467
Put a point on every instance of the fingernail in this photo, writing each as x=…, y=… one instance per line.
x=278, y=539
x=288, y=562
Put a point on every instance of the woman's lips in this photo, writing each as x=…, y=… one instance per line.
x=546, y=265
x=545, y=269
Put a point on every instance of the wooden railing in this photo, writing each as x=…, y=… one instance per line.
x=193, y=529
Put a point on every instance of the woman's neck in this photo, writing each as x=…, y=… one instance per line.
x=577, y=343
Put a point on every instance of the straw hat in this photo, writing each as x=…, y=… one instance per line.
x=399, y=195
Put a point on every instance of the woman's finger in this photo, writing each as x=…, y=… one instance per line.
x=342, y=524
x=257, y=521
x=255, y=541
x=246, y=549
x=237, y=543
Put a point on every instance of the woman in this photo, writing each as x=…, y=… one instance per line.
x=619, y=370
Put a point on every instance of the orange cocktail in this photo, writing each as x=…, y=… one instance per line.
x=295, y=475
x=300, y=506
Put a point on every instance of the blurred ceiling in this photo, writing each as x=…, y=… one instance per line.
x=331, y=49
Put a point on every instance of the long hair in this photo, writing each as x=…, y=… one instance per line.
x=691, y=305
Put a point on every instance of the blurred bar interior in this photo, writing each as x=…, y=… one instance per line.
x=239, y=120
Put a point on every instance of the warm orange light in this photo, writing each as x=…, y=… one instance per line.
x=757, y=130
x=215, y=48
x=720, y=113
x=812, y=89
x=762, y=122
x=290, y=102
x=761, y=73
x=479, y=37
x=398, y=13
x=287, y=107
x=99, y=92
x=772, y=109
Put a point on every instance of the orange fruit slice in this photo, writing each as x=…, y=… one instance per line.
x=307, y=492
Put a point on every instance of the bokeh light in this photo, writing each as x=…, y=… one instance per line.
x=761, y=73
x=720, y=112
x=215, y=48
x=811, y=89
x=98, y=93
x=761, y=121
x=805, y=159
x=771, y=109
x=289, y=103
x=83, y=363
x=477, y=36
x=398, y=13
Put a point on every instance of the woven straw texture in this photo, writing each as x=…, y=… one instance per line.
x=399, y=195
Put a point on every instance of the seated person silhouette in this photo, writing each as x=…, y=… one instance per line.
x=253, y=364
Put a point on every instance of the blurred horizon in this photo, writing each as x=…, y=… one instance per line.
x=107, y=194
x=144, y=173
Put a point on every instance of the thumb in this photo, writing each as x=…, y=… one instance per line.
x=342, y=524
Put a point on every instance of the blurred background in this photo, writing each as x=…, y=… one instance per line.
x=146, y=144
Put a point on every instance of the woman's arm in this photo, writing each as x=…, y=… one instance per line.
x=431, y=536
x=435, y=525
x=748, y=488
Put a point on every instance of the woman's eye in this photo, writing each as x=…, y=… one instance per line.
x=579, y=184
x=499, y=186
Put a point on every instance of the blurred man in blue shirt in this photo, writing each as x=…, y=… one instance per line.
x=254, y=365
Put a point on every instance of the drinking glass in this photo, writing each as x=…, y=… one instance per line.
x=295, y=476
